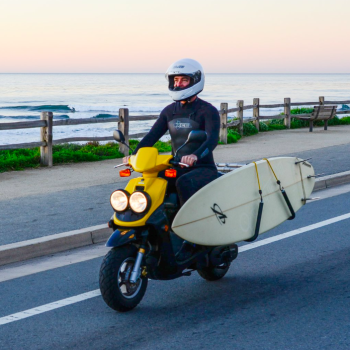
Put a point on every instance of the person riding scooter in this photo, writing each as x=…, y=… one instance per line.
x=188, y=112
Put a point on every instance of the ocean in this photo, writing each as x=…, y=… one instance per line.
x=24, y=96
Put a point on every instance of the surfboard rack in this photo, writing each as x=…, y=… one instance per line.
x=290, y=207
x=302, y=161
x=258, y=221
x=227, y=167
x=261, y=206
x=310, y=176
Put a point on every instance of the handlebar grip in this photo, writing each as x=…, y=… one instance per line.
x=173, y=162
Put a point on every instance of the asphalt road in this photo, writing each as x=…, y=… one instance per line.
x=37, y=216
x=290, y=294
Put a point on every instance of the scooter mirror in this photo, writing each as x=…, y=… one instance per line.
x=197, y=136
x=118, y=136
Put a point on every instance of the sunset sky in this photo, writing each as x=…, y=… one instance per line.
x=226, y=36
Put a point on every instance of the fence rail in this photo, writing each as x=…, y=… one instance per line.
x=46, y=124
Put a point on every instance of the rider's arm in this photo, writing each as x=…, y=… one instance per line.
x=158, y=129
x=212, y=128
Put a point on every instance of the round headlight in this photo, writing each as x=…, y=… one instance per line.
x=119, y=200
x=138, y=202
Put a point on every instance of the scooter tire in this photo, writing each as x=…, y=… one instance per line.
x=119, y=294
x=213, y=273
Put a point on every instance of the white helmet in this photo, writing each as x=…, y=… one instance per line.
x=190, y=68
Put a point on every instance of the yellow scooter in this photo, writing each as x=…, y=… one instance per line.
x=143, y=244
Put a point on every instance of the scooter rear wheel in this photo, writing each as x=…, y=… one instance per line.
x=214, y=273
x=116, y=289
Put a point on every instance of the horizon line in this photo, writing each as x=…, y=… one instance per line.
x=162, y=73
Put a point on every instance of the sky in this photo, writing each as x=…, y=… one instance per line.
x=139, y=36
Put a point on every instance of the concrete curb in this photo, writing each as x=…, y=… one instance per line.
x=332, y=180
x=60, y=242
x=34, y=248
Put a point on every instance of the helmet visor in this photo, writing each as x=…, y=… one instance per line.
x=194, y=79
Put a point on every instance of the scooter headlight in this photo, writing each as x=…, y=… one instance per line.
x=119, y=200
x=138, y=202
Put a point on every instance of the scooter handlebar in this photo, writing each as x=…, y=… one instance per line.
x=173, y=162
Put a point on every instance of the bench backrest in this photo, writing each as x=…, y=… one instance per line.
x=323, y=112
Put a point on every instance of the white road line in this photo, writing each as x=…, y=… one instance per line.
x=293, y=233
x=52, y=262
x=75, y=299
x=48, y=307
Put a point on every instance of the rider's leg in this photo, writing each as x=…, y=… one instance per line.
x=191, y=182
x=187, y=185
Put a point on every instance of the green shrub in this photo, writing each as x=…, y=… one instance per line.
x=301, y=110
x=263, y=127
x=276, y=127
x=249, y=129
x=344, y=121
x=232, y=136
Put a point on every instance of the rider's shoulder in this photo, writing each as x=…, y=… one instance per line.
x=168, y=108
x=207, y=105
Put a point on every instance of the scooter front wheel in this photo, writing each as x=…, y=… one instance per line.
x=116, y=289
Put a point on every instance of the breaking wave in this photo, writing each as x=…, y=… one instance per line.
x=41, y=108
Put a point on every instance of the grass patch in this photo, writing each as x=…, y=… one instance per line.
x=20, y=159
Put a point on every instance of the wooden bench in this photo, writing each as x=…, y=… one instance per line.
x=320, y=113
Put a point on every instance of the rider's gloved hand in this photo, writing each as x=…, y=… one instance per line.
x=189, y=160
x=126, y=160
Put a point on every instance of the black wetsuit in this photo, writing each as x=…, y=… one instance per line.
x=180, y=120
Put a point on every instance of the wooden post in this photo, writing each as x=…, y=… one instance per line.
x=256, y=103
x=123, y=126
x=321, y=102
x=240, y=104
x=223, y=122
x=46, y=136
x=287, y=112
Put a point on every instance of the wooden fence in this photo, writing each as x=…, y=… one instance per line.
x=46, y=124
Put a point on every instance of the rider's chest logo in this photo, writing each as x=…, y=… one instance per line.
x=178, y=125
x=219, y=214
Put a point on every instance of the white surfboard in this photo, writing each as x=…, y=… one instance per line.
x=226, y=210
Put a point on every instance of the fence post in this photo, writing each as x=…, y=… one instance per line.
x=46, y=136
x=321, y=100
x=123, y=126
x=240, y=104
x=223, y=122
x=287, y=112
x=256, y=103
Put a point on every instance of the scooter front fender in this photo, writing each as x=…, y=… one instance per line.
x=121, y=237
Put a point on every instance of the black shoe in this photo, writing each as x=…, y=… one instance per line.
x=185, y=252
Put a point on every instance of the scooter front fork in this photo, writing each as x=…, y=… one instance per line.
x=136, y=271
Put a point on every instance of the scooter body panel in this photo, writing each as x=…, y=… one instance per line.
x=155, y=187
x=120, y=237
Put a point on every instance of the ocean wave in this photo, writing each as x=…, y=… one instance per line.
x=32, y=117
x=115, y=109
x=27, y=117
x=103, y=115
x=41, y=108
